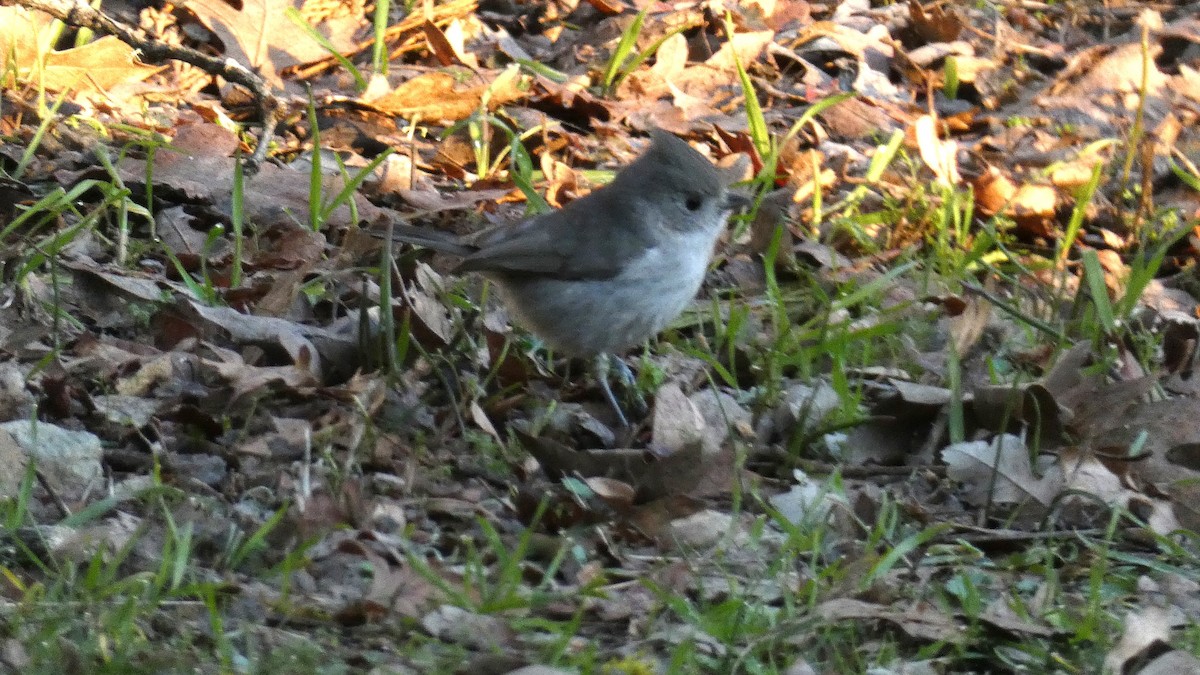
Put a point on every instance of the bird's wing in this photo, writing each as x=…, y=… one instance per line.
x=592, y=238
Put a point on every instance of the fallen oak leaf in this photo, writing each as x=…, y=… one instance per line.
x=998, y=472
x=442, y=96
x=259, y=34
x=96, y=66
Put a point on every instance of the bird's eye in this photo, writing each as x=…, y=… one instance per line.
x=693, y=202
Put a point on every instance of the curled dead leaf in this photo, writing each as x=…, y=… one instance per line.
x=1032, y=206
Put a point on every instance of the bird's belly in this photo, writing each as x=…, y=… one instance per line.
x=585, y=317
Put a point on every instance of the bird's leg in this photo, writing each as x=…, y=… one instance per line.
x=602, y=365
x=630, y=382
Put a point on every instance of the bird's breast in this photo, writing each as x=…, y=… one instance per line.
x=583, y=317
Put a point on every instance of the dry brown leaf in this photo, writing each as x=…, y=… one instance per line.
x=1087, y=475
x=1109, y=78
x=21, y=33
x=300, y=341
x=96, y=66
x=200, y=166
x=287, y=442
x=618, y=495
x=940, y=155
x=286, y=248
x=434, y=325
x=1075, y=172
x=126, y=283
x=967, y=327
x=480, y=418
x=245, y=379
x=808, y=502
x=446, y=97
x=448, y=46
x=781, y=14
x=176, y=233
x=998, y=407
x=1165, y=430
x=400, y=589
x=150, y=374
x=973, y=68
x=934, y=24
x=1144, y=629
x=999, y=472
x=1032, y=206
x=261, y=36
x=654, y=518
x=459, y=626
x=745, y=48
x=670, y=59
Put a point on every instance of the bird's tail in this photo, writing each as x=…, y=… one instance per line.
x=442, y=242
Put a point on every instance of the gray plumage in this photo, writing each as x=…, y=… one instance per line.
x=613, y=268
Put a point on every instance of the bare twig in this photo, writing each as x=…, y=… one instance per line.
x=63, y=509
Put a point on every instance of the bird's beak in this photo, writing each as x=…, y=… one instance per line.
x=736, y=202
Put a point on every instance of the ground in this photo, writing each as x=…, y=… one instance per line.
x=931, y=412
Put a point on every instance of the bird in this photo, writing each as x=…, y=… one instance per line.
x=613, y=268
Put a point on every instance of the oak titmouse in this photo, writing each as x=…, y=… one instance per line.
x=613, y=268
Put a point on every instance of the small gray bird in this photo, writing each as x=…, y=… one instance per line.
x=613, y=268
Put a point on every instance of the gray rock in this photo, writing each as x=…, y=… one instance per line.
x=69, y=459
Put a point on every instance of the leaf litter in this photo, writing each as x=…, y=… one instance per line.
x=475, y=491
